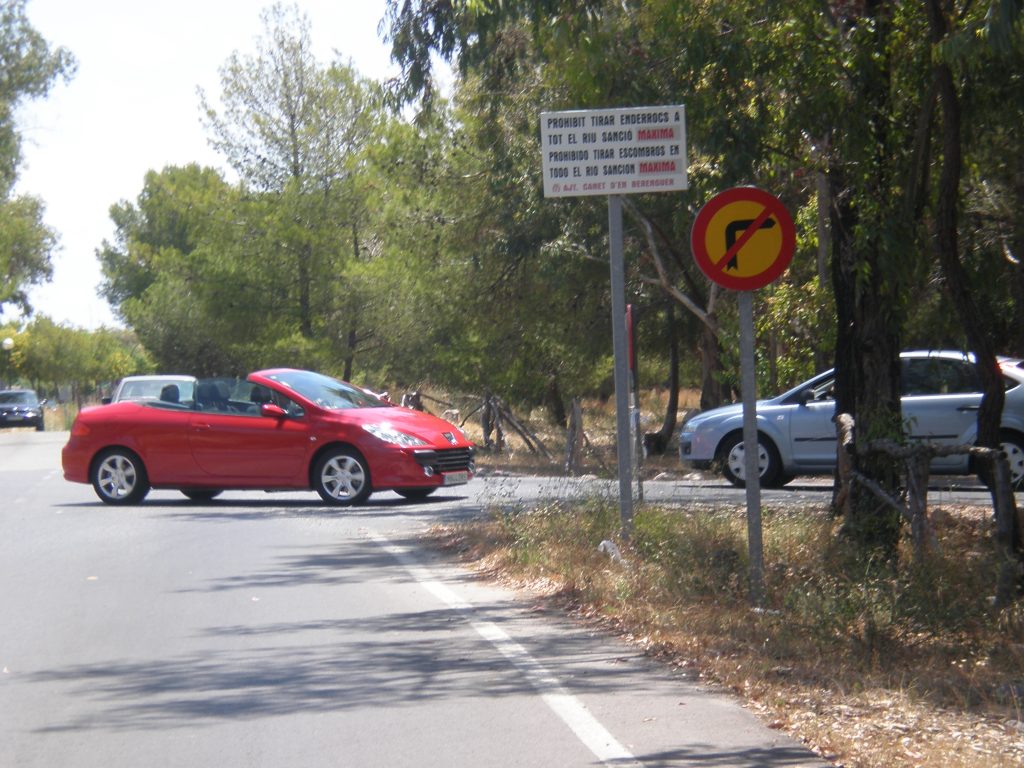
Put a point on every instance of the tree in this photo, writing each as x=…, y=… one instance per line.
x=161, y=260
x=25, y=247
x=28, y=68
x=53, y=357
x=178, y=210
x=946, y=228
x=827, y=103
x=482, y=293
x=216, y=277
x=603, y=54
x=294, y=130
x=874, y=255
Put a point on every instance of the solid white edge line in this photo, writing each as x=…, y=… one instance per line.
x=567, y=707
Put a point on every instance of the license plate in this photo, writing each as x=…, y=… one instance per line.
x=14, y=417
x=456, y=478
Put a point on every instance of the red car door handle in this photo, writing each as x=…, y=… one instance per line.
x=199, y=427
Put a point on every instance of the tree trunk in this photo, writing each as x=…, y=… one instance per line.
x=712, y=391
x=305, y=302
x=867, y=376
x=1017, y=276
x=867, y=281
x=946, y=239
x=553, y=400
x=350, y=353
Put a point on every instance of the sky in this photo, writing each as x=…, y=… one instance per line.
x=132, y=107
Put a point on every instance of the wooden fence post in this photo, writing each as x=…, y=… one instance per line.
x=1006, y=531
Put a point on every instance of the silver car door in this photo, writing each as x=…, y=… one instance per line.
x=812, y=431
x=940, y=404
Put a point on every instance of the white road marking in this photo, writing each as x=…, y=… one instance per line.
x=569, y=709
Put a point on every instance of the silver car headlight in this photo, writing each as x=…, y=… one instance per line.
x=389, y=434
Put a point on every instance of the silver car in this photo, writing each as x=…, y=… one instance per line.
x=941, y=394
x=177, y=388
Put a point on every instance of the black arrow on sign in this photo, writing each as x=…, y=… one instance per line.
x=735, y=228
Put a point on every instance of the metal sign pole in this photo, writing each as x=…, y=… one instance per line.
x=620, y=349
x=743, y=239
x=752, y=475
x=636, y=440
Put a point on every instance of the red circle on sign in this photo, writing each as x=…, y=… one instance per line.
x=743, y=222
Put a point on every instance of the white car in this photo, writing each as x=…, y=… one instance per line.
x=940, y=398
x=155, y=387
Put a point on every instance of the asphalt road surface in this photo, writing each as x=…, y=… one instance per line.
x=269, y=630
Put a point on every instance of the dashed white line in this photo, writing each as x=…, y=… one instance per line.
x=567, y=707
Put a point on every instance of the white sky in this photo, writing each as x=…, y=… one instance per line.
x=132, y=107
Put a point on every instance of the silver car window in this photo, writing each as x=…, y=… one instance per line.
x=938, y=376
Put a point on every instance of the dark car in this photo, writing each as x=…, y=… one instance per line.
x=21, y=408
x=280, y=429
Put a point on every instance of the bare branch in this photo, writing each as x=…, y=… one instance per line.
x=664, y=280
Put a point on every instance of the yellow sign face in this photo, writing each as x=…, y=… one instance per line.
x=760, y=251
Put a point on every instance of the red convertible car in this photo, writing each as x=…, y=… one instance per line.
x=280, y=429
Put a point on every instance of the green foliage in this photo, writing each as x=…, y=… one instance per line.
x=286, y=119
x=52, y=358
x=177, y=210
x=798, y=319
x=177, y=331
x=218, y=278
x=28, y=68
x=992, y=232
x=398, y=252
x=25, y=247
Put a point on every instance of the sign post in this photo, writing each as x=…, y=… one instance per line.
x=744, y=239
x=623, y=444
x=615, y=152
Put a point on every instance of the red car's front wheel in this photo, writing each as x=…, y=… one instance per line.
x=342, y=477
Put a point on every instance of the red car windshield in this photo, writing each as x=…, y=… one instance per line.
x=326, y=392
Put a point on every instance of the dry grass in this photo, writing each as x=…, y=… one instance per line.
x=907, y=669
x=868, y=666
x=599, y=427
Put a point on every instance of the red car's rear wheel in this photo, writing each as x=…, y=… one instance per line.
x=119, y=477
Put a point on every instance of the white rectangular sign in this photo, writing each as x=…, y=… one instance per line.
x=620, y=151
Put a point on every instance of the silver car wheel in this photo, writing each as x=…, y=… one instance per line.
x=738, y=463
x=343, y=478
x=1015, y=456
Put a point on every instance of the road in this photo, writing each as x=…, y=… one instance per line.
x=705, y=489
x=268, y=630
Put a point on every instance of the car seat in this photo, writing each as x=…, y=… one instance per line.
x=209, y=397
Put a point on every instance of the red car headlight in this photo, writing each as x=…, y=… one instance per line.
x=389, y=434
